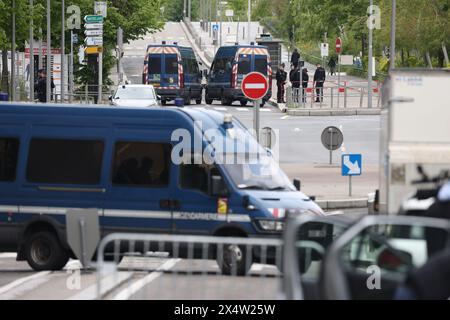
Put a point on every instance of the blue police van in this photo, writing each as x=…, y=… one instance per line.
x=174, y=72
x=127, y=163
x=231, y=64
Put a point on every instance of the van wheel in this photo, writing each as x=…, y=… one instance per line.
x=243, y=103
x=262, y=104
x=226, y=102
x=164, y=102
x=233, y=260
x=198, y=101
x=44, y=252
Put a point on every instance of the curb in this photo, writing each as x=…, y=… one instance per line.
x=280, y=106
x=331, y=112
x=343, y=204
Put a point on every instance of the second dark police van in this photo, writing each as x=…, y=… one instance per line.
x=174, y=73
x=229, y=68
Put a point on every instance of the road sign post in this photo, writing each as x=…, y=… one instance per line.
x=255, y=87
x=351, y=166
x=94, y=37
x=339, y=51
x=332, y=139
x=83, y=233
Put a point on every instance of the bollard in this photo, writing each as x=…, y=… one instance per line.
x=312, y=97
x=361, y=98
x=345, y=94
x=289, y=96
x=332, y=92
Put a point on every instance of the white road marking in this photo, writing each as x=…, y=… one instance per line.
x=21, y=281
x=285, y=117
x=8, y=255
x=297, y=130
x=220, y=109
x=138, y=285
x=242, y=109
x=265, y=110
x=255, y=86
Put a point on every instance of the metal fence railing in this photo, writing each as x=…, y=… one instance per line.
x=346, y=96
x=177, y=267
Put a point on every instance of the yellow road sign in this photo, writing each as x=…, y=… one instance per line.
x=93, y=50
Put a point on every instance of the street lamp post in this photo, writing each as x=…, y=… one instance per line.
x=370, y=66
x=49, y=54
x=13, y=52
x=31, y=53
x=63, y=40
x=249, y=13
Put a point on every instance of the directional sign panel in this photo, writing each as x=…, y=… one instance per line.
x=94, y=41
x=351, y=165
x=93, y=19
x=215, y=27
x=93, y=33
x=255, y=86
x=93, y=26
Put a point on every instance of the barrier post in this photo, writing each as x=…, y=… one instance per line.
x=332, y=93
x=345, y=94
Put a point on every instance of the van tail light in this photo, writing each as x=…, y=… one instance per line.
x=181, y=76
x=234, y=77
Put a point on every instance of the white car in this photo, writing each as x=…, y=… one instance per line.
x=135, y=95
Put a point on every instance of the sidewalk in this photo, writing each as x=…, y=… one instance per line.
x=331, y=190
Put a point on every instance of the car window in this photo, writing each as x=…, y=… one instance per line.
x=261, y=64
x=244, y=65
x=9, y=151
x=171, y=64
x=135, y=93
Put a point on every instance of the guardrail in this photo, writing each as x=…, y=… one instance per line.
x=346, y=96
x=188, y=267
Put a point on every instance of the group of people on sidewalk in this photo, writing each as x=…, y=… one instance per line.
x=295, y=79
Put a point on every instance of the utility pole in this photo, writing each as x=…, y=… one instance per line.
x=49, y=54
x=210, y=18
x=71, y=68
x=120, y=53
x=40, y=63
x=63, y=49
x=189, y=9
x=31, y=53
x=370, y=66
x=220, y=26
x=184, y=8
x=249, y=13
x=393, y=34
x=13, y=53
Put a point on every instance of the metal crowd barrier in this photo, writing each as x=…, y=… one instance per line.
x=168, y=267
x=333, y=97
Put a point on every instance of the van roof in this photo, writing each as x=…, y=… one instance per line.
x=209, y=118
x=167, y=46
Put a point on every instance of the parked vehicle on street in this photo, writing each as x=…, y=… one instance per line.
x=231, y=64
x=174, y=72
x=414, y=132
x=367, y=259
x=135, y=95
x=138, y=168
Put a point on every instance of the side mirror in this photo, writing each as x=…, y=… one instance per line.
x=218, y=187
x=159, y=97
x=110, y=98
x=297, y=184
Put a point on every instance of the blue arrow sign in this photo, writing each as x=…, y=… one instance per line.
x=351, y=165
x=215, y=27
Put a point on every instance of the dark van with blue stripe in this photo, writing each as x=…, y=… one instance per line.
x=174, y=73
x=125, y=162
x=231, y=64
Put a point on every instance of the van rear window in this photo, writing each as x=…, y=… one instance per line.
x=9, y=150
x=244, y=65
x=62, y=161
x=154, y=64
x=171, y=64
x=261, y=64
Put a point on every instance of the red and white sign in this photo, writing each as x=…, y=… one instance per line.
x=338, y=45
x=255, y=86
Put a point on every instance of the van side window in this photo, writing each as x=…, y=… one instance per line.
x=9, y=150
x=194, y=177
x=141, y=164
x=62, y=161
x=154, y=64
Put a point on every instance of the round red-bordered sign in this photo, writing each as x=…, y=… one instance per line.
x=255, y=86
x=338, y=45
